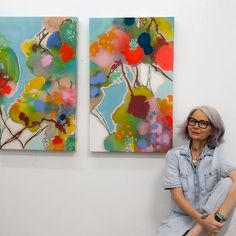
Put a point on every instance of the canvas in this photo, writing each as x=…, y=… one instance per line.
x=131, y=81
x=38, y=83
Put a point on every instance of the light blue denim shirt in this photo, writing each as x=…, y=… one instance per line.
x=197, y=181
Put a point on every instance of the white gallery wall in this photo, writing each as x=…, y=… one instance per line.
x=105, y=194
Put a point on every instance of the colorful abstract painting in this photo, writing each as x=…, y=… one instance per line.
x=131, y=80
x=38, y=65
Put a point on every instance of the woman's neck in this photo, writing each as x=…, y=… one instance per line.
x=197, y=145
x=196, y=148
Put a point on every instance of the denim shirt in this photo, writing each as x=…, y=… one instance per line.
x=197, y=181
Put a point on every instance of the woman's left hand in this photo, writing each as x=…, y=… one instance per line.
x=211, y=234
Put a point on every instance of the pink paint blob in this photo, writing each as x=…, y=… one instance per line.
x=69, y=96
x=46, y=60
x=103, y=59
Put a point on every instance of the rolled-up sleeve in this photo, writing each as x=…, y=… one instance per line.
x=226, y=166
x=171, y=176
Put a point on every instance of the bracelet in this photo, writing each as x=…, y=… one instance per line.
x=204, y=216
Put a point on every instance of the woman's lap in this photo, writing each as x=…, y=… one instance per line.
x=175, y=225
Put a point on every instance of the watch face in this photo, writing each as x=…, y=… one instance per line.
x=218, y=218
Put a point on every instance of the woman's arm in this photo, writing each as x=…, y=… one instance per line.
x=178, y=196
x=210, y=225
x=230, y=200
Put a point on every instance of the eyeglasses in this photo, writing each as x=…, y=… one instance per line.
x=203, y=124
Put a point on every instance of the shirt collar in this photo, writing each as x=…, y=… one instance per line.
x=185, y=150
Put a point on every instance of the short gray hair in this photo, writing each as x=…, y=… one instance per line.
x=216, y=138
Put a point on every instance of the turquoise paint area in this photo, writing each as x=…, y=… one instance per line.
x=164, y=90
x=98, y=26
x=17, y=30
x=113, y=96
x=36, y=143
x=171, y=19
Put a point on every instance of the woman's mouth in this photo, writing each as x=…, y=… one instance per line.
x=195, y=133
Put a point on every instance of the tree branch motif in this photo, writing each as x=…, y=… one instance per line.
x=13, y=136
x=19, y=133
x=33, y=136
x=161, y=71
x=136, y=82
x=101, y=120
x=41, y=36
x=153, y=21
x=114, y=67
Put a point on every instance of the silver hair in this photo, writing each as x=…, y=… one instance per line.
x=216, y=138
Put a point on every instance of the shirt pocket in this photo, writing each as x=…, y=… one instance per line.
x=184, y=182
x=211, y=178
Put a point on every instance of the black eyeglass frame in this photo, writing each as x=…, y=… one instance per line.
x=202, y=124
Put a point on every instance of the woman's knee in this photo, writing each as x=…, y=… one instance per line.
x=226, y=182
x=223, y=185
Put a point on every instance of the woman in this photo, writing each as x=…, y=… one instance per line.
x=201, y=181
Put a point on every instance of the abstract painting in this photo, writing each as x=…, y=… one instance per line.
x=131, y=81
x=38, y=70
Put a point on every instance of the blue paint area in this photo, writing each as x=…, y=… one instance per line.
x=94, y=91
x=154, y=126
x=142, y=143
x=98, y=79
x=47, y=85
x=62, y=117
x=39, y=105
x=144, y=40
x=152, y=138
x=129, y=21
x=148, y=50
x=54, y=41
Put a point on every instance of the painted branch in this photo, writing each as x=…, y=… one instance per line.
x=162, y=72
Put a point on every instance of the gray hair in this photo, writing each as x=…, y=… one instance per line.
x=216, y=138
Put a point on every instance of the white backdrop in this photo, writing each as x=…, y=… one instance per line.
x=85, y=194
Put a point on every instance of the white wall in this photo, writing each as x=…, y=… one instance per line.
x=84, y=194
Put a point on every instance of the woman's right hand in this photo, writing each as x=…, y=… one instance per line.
x=210, y=224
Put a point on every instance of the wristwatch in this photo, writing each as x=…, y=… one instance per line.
x=220, y=218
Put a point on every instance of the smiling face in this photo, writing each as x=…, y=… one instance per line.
x=194, y=131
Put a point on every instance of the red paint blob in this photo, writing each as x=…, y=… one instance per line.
x=164, y=57
x=7, y=89
x=57, y=140
x=133, y=57
x=67, y=52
